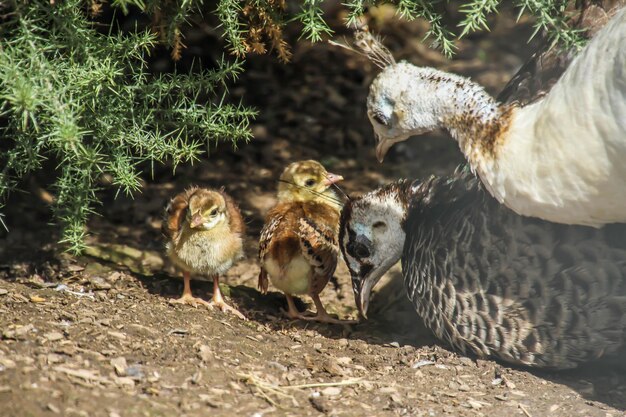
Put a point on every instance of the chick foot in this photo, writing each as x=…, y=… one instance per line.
x=188, y=299
x=321, y=315
x=222, y=306
x=218, y=301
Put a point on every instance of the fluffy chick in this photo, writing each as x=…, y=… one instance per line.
x=298, y=247
x=204, y=231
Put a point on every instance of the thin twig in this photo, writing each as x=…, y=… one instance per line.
x=353, y=381
x=3, y=223
x=524, y=410
x=264, y=388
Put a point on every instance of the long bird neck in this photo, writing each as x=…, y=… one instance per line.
x=470, y=115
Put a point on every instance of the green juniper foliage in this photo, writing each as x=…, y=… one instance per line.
x=84, y=99
x=550, y=16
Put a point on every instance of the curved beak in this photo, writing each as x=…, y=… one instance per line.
x=331, y=179
x=382, y=147
x=362, y=297
x=367, y=279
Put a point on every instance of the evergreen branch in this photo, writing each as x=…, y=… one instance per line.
x=551, y=19
x=228, y=11
x=86, y=101
x=311, y=17
x=476, y=12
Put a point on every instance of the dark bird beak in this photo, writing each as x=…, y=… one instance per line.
x=362, y=298
x=196, y=221
x=332, y=179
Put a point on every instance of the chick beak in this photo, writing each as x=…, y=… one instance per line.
x=331, y=179
x=382, y=147
x=196, y=221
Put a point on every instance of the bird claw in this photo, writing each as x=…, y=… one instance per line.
x=191, y=301
x=222, y=306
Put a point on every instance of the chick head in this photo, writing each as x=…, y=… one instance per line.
x=307, y=181
x=206, y=210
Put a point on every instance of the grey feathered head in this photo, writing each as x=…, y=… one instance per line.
x=371, y=236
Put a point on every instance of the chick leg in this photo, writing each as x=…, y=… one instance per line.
x=322, y=315
x=187, y=297
x=293, y=312
x=218, y=300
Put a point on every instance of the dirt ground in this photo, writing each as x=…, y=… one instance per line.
x=96, y=336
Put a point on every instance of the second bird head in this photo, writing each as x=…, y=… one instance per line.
x=372, y=235
x=307, y=181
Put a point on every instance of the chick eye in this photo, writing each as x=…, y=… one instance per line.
x=213, y=212
x=310, y=182
x=380, y=118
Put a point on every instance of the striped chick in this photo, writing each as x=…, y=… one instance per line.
x=298, y=246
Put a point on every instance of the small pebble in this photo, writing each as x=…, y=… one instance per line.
x=421, y=363
x=53, y=336
x=120, y=365
x=331, y=391
x=205, y=353
x=320, y=404
x=117, y=335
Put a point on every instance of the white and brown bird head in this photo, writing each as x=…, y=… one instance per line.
x=371, y=236
x=307, y=181
x=405, y=100
x=206, y=210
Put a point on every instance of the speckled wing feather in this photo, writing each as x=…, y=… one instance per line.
x=267, y=235
x=175, y=213
x=537, y=76
x=318, y=243
x=493, y=283
x=309, y=228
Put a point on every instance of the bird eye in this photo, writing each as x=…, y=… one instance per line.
x=379, y=225
x=213, y=212
x=310, y=182
x=380, y=118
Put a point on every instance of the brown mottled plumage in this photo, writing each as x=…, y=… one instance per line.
x=490, y=282
x=298, y=246
x=204, y=232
